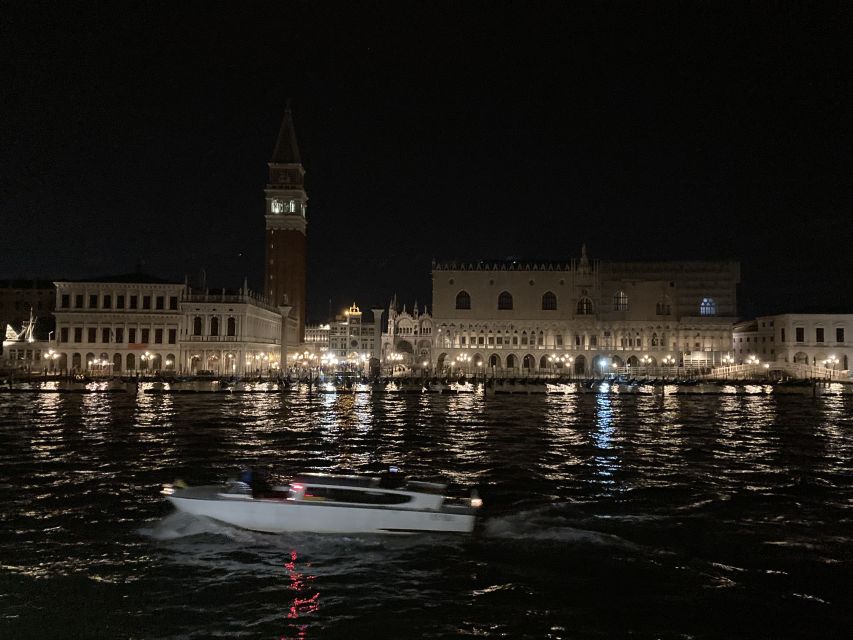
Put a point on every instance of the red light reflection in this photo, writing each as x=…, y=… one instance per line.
x=302, y=604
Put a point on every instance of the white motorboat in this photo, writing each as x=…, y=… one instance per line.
x=324, y=503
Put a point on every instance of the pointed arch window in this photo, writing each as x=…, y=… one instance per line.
x=620, y=301
x=663, y=308
x=549, y=301
x=708, y=307
x=584, y=307
x=463, y=300
x=505, y=300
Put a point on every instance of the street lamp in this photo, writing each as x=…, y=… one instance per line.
x=668, y=361
x=602, y=365
x=462, y=360
x=51, y=357
x=830, y=363
x=394, y=358
x=147, y=359
x=727, y=361
x=560, y=362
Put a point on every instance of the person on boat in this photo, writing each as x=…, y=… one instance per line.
x=257, y=481
x=392, y=478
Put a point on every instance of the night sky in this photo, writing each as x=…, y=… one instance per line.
x=140, y=133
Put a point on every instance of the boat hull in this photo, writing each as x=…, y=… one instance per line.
x=280, y=516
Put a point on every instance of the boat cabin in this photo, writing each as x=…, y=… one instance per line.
x=361, y=490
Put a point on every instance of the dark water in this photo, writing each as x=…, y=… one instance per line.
x=606, y=516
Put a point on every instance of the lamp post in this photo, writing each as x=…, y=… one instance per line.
x=558, y=362
x=479, y=369
x=462, y=361
x=646, y=360
x=753, y=361
x=728, y=361
x=51, y=357
x=668, y=361
x=394, y=358
x=147, y=359
x=830, y=363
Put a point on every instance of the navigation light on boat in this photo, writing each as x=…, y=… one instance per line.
x=476, y=500
x=167, y=490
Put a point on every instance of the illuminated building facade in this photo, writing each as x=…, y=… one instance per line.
x=582, y=315
x=353, y=338
x=118, y=324
x=140, y=324
x=408, y=340
x=815, y=339
x=230, y=333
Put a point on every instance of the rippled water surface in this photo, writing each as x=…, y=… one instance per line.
x=606, y=516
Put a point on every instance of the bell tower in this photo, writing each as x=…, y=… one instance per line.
x=286, y=242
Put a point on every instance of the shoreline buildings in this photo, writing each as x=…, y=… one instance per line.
x=140, y=324
x=583, y=316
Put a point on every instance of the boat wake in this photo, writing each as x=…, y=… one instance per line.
x=546, y=526
x=183, y=525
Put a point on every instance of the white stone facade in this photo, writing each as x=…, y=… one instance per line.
x=819, y=340
x=139, y=325
x=408, y=341
x=118, y=327
x=587, y=315
x=353, y=338
x=230, y=334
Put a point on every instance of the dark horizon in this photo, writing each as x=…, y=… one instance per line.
x=138, y=139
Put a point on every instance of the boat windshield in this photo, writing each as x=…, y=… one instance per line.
x=352, y=495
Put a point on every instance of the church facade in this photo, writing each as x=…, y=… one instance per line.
x=409, y=338
x=586, y=316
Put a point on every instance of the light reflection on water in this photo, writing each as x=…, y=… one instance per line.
x=661, y=497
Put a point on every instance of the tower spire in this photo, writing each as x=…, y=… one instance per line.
x=286, y=149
